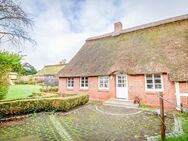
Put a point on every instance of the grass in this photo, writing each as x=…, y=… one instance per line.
x=183, y=137
x=143, y=106
x=21, y=91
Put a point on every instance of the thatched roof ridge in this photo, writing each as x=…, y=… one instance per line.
x=51, y=70
x=156, y=49
x=140, y=27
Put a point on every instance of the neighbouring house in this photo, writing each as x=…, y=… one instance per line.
x=49, y=75
x=136, y=62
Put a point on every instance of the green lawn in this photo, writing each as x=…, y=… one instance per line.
x=183, y=137
x=21, y=91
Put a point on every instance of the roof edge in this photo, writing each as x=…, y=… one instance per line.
x=148, y=25
x=55, y=65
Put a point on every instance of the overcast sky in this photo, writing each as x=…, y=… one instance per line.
x=62, y=26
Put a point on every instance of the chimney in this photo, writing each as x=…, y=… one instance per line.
x=117, y=28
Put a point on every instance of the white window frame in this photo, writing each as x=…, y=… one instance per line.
x=70, y=87
x=103, y=88
x=84, y=87
x=153, y=89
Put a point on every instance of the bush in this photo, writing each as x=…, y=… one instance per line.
x=3, y=89
x=43, y=95
x=8, y=62
x=26, y=106
x=50, y=89
x=143, y=106
x=4, y=85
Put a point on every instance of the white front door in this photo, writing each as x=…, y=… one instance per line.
x=121, y=86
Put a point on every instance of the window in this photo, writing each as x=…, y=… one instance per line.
x=103, y=82
x=153, y=82
x=70, y=82
x=121, y=81
x=84, y=82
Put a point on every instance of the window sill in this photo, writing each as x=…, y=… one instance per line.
x=101, y=90
x=153, y=91
x=84, y=89
x=70, y=89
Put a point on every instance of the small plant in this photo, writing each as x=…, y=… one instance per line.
x=143, y=106
x=137, y=100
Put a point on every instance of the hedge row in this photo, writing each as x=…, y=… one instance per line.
x=26, y=106
x=43, y=95
x=49, y=89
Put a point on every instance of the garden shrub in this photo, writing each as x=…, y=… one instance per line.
x=8, y=62
x=142, y=105
x=49, y=89
x=26, y=106
x=42, y=94
x=3, y=81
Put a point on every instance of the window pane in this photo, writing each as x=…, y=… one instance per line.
x=150, y=81
x=149, y=76
x=158, y=81
x=150, y=86
x=158, y=86
x=157, y=76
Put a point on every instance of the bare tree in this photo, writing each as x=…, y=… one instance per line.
x=63, y=61
x=14, y=23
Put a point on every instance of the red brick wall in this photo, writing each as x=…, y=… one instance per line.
x=184, y=89
x=136, y=87
x=92, y=90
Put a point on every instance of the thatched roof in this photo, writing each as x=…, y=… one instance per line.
x=51, y=70
x=159, y=47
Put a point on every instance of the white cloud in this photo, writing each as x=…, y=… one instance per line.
x=62, y=26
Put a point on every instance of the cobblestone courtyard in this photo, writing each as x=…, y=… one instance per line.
x=91, y=122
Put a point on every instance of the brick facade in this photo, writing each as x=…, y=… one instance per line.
x=92, y=90
x=184, y=89
x=136, y=87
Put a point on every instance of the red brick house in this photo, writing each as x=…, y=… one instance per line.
x=140, y=61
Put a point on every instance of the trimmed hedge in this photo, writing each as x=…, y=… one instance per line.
x=49, y=89
x=43, y=95
x=26, y=106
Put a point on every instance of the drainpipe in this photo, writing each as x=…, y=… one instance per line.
x=178, y=100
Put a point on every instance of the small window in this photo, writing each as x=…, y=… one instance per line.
x=70, y=82
x=103, y=82
x=153, y=82
x=84, y=82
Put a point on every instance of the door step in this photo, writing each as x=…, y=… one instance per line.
x=120, y=103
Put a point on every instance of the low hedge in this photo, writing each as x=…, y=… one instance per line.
x=49, y=89
x=26, y=106
x=43, y=95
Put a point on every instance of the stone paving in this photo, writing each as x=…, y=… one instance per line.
x=91, y=122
